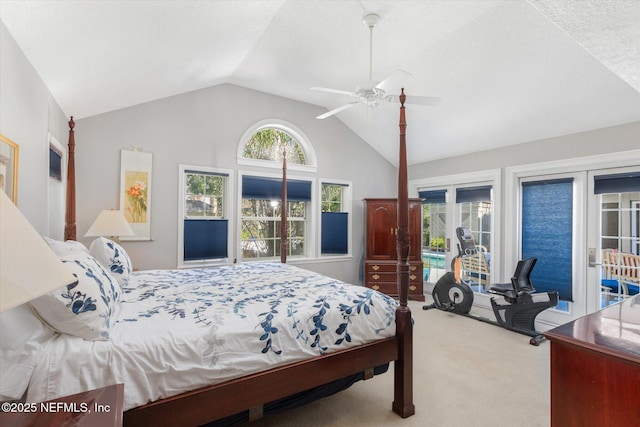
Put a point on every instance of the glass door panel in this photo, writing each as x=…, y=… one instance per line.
x=618, y=246
x=434, y=230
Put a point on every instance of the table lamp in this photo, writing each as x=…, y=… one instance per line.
x=110, y=223
x=28, y=266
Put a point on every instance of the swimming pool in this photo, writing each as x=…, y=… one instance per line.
x=433, y=259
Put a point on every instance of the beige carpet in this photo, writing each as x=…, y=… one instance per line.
x=466, y=373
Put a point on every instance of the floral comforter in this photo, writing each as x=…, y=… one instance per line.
x=179, y=330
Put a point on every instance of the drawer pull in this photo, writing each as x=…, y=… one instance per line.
x=413, y=277
x=375, y=267
x=413, y=268
x=375, y=287
x=412, y=288
x=375, y=277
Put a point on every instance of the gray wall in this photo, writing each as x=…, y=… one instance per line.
x=28, y=113
x=600, y=141
x=204, y=128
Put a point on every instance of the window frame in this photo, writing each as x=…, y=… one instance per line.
x=227, y=207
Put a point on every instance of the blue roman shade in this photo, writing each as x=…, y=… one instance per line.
x=205, y=239
x=473, y=194
x=335, y=233
x=617, y=183
x=258, y=187
x=547, y=234
x=433, y=196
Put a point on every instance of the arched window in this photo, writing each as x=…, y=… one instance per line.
x=265, y=142
x=270, y=144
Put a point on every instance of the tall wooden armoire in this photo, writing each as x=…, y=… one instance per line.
x=381, y=258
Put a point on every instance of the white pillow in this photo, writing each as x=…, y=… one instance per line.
x=65, y=247
x=113, y=257
x=83, y=309
x=23, y=336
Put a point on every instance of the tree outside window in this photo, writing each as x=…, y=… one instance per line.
x=204, y=195
x=269, y=144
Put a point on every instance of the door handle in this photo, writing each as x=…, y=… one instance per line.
x=591, y=256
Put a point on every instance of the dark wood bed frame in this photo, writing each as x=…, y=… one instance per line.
x=198, y=407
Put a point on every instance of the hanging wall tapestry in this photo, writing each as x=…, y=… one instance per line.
x=135, y=192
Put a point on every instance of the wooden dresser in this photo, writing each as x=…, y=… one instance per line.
x=381, y=258
x=595, y=368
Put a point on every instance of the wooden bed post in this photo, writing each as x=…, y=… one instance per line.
x=403, y=367
x=70, y=214
x=283, y=210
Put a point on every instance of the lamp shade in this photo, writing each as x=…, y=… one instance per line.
x=110, y=223
x=28, y=266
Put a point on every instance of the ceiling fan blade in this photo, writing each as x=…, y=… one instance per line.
x=430, y=101
x=393, y=81
x=337, y=110
x=326, y=89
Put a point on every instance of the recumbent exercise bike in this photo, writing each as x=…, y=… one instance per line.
x=453, y=293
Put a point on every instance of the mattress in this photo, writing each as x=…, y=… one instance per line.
x=180, y=330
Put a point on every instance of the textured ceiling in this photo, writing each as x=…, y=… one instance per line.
x=508, y=71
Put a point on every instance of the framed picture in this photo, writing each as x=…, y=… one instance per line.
x=135, y=192
x=9, y=168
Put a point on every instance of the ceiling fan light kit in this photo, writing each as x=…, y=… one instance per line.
x=371, y=92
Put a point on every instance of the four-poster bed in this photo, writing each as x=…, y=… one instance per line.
x=251, y=392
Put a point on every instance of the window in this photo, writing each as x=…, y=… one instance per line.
x=270, y=144
x=261, y=216
x=619, y=239
x=204, y=195
x=55, y=162
x=204, y=224
x=434, y=228
x=56, y=205
x=461, y=200
x=264, y=143
x=475, y=210
x=335, y=203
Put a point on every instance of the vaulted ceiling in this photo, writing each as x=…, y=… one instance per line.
x=507, y=72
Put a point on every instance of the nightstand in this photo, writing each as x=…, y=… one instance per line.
x=101, y=407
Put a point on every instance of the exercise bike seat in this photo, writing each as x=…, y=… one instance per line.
x=520, y=282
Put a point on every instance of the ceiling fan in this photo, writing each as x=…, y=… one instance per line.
x=372, y=92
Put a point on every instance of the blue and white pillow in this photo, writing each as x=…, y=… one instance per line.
x=82, y=309
x=113, y=257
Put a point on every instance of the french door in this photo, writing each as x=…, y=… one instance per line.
x=446, y=208
x=613, y=236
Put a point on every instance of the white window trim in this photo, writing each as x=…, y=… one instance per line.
x=311, y=221
x=347, y=203
x=229, y=215
x=284, y=126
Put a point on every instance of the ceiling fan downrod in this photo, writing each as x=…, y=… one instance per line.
x=371, y=20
